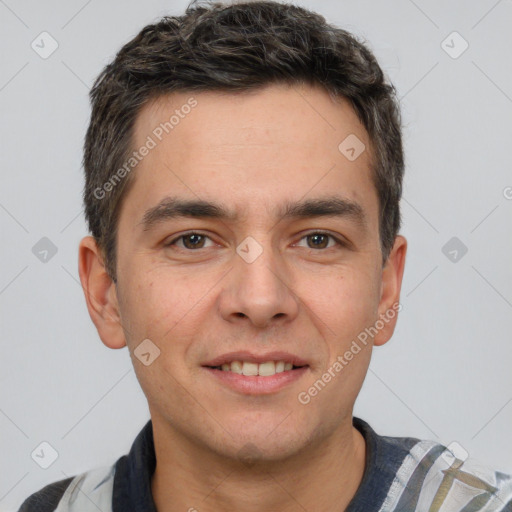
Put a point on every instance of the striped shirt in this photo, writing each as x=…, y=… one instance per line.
x=401, y=475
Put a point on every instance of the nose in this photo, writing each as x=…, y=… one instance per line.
x=259, y=292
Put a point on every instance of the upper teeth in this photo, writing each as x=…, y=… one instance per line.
x=265, y=369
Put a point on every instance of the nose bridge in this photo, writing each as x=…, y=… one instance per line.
x=259, y=288
x=262, y=274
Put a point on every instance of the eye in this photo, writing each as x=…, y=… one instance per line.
x=320, y=240
x=314, y=240
x=190, y=241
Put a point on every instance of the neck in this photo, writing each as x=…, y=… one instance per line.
x=323, y=477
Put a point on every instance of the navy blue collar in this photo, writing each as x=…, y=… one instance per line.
x=384, y=455
x=132, y=478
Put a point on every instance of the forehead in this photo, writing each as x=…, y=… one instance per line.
x=252, y=149
x=271, y=116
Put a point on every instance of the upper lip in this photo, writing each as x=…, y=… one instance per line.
x=250, y=357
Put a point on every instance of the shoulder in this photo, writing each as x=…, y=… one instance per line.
x=417, y=475
x=47, y=498
x=89, y=491
x=432, y=475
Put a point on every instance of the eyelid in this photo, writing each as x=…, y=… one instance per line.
x=340, y=241
x=187, y=233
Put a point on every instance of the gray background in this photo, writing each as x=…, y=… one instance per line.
x=446, y=373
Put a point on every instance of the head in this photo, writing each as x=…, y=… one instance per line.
x=227, y=216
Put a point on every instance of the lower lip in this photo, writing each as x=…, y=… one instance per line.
x=257, y=384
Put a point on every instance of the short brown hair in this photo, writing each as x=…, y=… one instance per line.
x=235, y=47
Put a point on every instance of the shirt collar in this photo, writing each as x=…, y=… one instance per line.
x=132, y=480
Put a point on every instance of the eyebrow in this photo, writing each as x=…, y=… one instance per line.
x=174, y=207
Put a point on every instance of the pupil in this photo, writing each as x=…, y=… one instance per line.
x=193, y=240
x=316, y=238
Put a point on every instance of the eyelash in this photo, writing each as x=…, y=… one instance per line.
x=338, y=241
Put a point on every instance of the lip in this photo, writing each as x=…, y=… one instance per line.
x=257, y=384
x=250, y=357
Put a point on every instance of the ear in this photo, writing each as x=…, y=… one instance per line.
x=100, y=294
x=391, y=284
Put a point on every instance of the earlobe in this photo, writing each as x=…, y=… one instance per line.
x=100, y=294
x=389, y=304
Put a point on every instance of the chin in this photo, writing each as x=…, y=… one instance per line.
x=262, y=442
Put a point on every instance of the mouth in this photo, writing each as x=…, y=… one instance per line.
x=250, y=369
x=252, y=374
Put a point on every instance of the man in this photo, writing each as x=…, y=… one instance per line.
x=243, y=176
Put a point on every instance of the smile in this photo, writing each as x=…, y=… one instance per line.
x=265, y=369
x=254, y=382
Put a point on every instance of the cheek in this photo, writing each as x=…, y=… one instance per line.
x=162, y=311
x=150, y=307
x=168, y=310
x=345, y=302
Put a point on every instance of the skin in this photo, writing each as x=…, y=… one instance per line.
x=251, y=153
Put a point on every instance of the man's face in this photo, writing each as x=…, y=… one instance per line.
x=258, y=284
